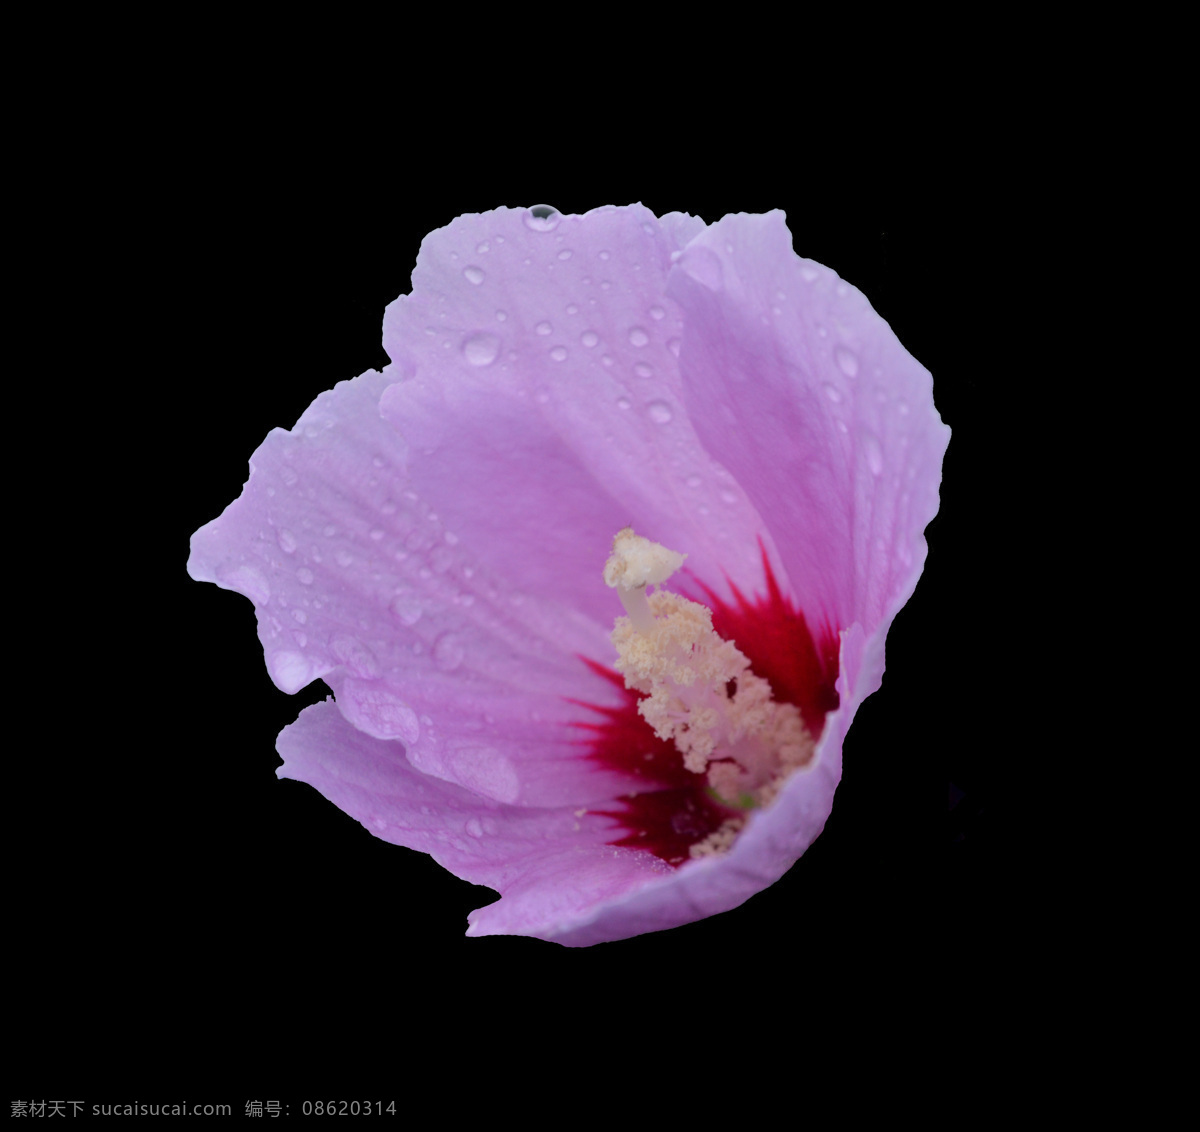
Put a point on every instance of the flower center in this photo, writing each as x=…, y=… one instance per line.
x=698, y=691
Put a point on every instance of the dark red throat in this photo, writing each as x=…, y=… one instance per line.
x=674, y=809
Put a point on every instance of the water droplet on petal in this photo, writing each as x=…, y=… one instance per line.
x=703, y=266
x=246, y=580
x=589, y=338
x=481, y=349
x=290, y=671
x=483, y=248
x=694, y=481
x=846, y=361
x=543, y=328
x=406, y=607
x=659, y=412
x=542, y=218
x=657, y=313
x=638, y=336
x=874, y=453
x=356, y=657
x=643, y=370
x=675, y=345
x=623, y=402
x=809, y=274
x=833, y=393
x=566, y=253
x=474, y=275
x=559, y=353
x=287, y=541
x=448, y=653
x=305, y=576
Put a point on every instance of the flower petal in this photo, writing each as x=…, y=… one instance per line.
x=552, y=865
x=803, y=392
x=356, y=581
x=542, y=403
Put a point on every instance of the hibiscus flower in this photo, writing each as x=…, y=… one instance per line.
x=575, y=400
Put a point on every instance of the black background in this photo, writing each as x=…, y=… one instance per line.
x=184, y=919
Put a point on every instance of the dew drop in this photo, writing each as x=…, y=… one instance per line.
x=474, y=827
x=501, y=316
x=659, y=412
x=448, y=653
x=694, y=481
x=543, y=328
x=290, y=671
x=623, y=402
x=344, y=557
x=559, y=353
x=300, y=616
x=846, y=361
x=703, y=266
x=406, y=607
x=542, y=218
x=638, y=336
x=305, y=575
x=287, y=541
x=675, y=345
x=643, y=370
x=656, y=313
x=481, y=349
x=246, y=580
x=572, y=308
x=355, y=656
x=874, y=453
x=483, y=248
x=833, y=393
x=809, y=274
x=605, y=255
x=474, y=275
x=566, y=253
x=728, y=496
x=589, y=338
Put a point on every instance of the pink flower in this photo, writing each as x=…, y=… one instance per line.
x=430, y=541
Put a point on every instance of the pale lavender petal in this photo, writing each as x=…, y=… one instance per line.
x=551, y=865
x=541, y=401
x=798, y=387
x=356, y=581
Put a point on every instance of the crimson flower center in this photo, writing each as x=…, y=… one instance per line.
x=721, y=705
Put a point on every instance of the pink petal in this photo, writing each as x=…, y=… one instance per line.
x=542, y=402
x=804, y=393
x=552, y=865
x=355, y=581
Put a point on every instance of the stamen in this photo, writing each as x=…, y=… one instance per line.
x=698, y=689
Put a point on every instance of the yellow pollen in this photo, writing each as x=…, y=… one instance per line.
x=699, y=690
